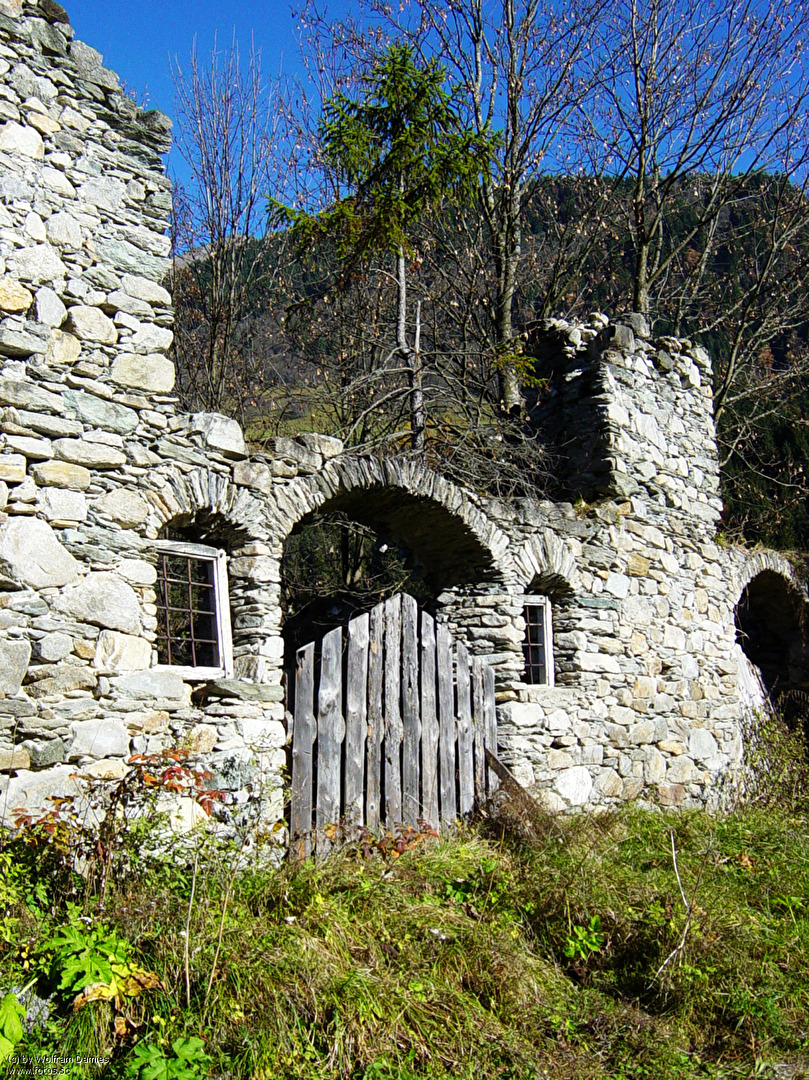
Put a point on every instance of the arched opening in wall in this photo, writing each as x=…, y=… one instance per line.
x=771, y=629
x=194, y=631
x=387, y=704
x=336, y=568
x=365, y=546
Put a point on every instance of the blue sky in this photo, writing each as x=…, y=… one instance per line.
x=139, y=38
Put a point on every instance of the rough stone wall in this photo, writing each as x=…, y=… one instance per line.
x=630, y=415
x=95, y=462
x=94, y=459
x=646, y=698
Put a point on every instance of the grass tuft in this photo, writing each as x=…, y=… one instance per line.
x=620, y=946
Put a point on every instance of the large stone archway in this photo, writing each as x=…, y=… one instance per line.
x=460, y=551
x=451, y=533
x=771, y=626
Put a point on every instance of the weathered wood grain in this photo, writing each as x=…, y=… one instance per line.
x=411, y=713
x=356, y=719
x=479, y=726
x=490, y=713
x=393, y=712
x=303, y=738
x=446, y=726
x=373, y=747
x=330, y=735
x=402, y=738
x=466, y=768
x=429, y=723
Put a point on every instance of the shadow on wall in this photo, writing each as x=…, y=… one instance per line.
x=335, y=568
x=366, y=544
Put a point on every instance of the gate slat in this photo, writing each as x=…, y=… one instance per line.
x=429, y=723
x=356, y=721
x=490, y=714
x=479, y=725
x=393, y=713
x=446, y=725
x=330, y=734
x=303, y=737
x=466, y=775
x=410, y=698
x=376, y=681
x=411, y=722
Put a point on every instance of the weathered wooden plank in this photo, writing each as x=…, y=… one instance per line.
x=446, y=725
x=330, y=734
x=466, y=774
x=373, y=747
x=429, y=723
x=411, y=718
x=356, y=718
x=393, y=712
x=490, y=714
x=303, y=737
x=479, y=726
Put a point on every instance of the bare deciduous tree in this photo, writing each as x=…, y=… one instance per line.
x=691, y=96
x=233, y=137
x=516, y=69
x=514, y=66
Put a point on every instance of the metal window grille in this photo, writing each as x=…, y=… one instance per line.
x=187, y=633
x=537, y=644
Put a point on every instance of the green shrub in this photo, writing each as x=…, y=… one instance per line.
x=636, y=945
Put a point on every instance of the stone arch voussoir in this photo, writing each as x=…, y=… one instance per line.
x=758, y=563
x=343, y=480
x=178, y=496
x=544, y=562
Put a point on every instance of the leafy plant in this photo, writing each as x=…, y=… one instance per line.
x=583, y=941
x=10, y=1024
x=96, y=964
x=187, y=1061
x=81, y=956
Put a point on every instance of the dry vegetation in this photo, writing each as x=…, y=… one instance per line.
x=620, y=946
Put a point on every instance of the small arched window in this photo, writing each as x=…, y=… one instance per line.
x=193, y=610
x=537, y=643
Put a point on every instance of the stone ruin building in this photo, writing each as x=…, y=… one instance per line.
x=628, y=644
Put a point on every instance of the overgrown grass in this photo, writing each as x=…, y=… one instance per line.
x=621, y=946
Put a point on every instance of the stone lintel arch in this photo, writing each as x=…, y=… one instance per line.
x=436, y=519
x=752, y=565
x=212, y=509
x=201, y=497
x=545, y=563
x=771, y=621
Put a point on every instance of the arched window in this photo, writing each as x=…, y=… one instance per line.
x=193, y=610
x=771, y=630
x=537, y=646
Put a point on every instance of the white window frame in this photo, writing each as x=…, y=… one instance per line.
x=547, y=626
x=221, y=608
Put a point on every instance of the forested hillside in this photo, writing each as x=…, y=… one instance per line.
x=365, y=254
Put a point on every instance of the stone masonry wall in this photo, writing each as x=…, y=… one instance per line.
x=646, y=696
x=94, y=460
x=96, y=464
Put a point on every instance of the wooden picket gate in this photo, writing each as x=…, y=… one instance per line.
x=391, y=730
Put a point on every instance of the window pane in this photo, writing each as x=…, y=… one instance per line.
x=534, y=645
x=186, y=599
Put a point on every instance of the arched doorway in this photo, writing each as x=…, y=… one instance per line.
x=391, y=714
x=367, y=528
x=771, y=631
x=335, y=568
